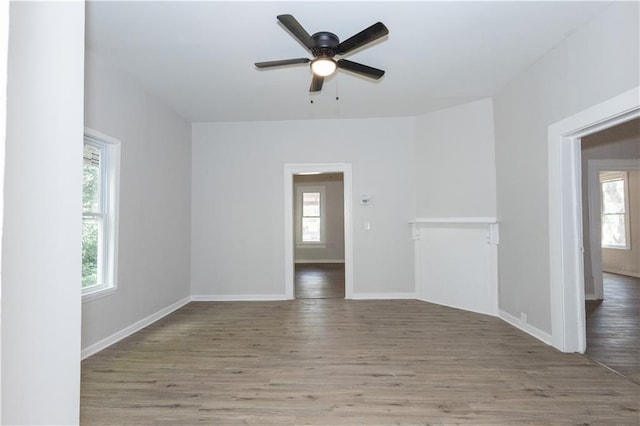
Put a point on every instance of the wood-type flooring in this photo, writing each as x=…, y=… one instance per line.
x=613, y=326
x=319, y=280
x=345, y=362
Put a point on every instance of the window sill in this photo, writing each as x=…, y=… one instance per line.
x=310, y=245
x=616, y=248
x=97, y=294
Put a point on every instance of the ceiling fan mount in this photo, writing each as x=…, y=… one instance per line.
x=324, y=46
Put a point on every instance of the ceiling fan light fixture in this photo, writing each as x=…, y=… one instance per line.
x=323, y=66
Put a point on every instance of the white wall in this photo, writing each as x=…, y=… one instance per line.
x=333, y=247
x=620, y=142
x=593, y=64
x=4, y=53
x=455, y=162
x=42, y=222
x=238, y=252
x=155, y=187
x=455, y=181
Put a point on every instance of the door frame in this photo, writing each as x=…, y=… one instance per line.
x=566, y=269
x=291, y=169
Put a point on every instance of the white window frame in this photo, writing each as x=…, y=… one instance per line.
x=110, y=193
x=610, y=177
x=300, y=189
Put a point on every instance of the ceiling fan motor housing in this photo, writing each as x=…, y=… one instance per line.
x=326, y=44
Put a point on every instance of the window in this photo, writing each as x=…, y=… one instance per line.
x=615, y=218
x=311, y=215
x=99, y=214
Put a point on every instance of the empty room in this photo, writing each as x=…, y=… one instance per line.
x=318, y=212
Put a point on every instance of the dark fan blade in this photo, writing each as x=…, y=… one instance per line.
x=282, y=62
x=297, y=30
x=316, y=83
x=368, y=35
x=365, y=70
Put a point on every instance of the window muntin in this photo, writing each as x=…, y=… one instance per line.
x=99, y=214
x=614, y=210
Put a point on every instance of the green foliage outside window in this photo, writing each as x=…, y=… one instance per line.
x=90, y=226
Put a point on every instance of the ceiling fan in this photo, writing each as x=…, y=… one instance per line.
x=325, y=46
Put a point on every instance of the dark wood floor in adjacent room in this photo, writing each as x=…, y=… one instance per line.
x=319, y=280
x=349, y=362
x=613, y=326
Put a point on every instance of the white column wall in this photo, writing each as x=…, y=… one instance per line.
x=42, y=221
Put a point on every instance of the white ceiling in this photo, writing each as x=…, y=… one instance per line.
x=197, y=57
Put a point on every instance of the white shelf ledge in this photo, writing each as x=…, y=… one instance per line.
x=481, y=220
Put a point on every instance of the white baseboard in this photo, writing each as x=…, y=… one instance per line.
x=621, y=272
x=237, y=297
x=475, y=311
x=527, y=328
x=116, y=337
x=319, y=261
x=382, y=296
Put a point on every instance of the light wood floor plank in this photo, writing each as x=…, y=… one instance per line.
x=333, y=361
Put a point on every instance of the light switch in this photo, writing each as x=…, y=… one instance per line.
x=365, y=199
x=367, y=226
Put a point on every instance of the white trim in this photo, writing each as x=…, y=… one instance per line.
x=475, y=311
x=591, y=296
x=98, y=293
x=479, y=220
x=566, y=272
x=133, y=328
x=4, y=58
x=112, y=153
x=622, y=272
x=383, y=296
x=527, y=328
x=594, y=167
x=622, y=176
x=237, y=297
x=319, y=261
x=289, y=171
x=494, y=240
x=299, y=219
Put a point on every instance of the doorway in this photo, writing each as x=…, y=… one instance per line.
x=611, y=184
x=318, y=213
x=321, y=260
x=568, y=330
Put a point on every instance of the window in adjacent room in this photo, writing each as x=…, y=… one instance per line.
x=615, y=210
x=100, y=163
x=311, y=220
